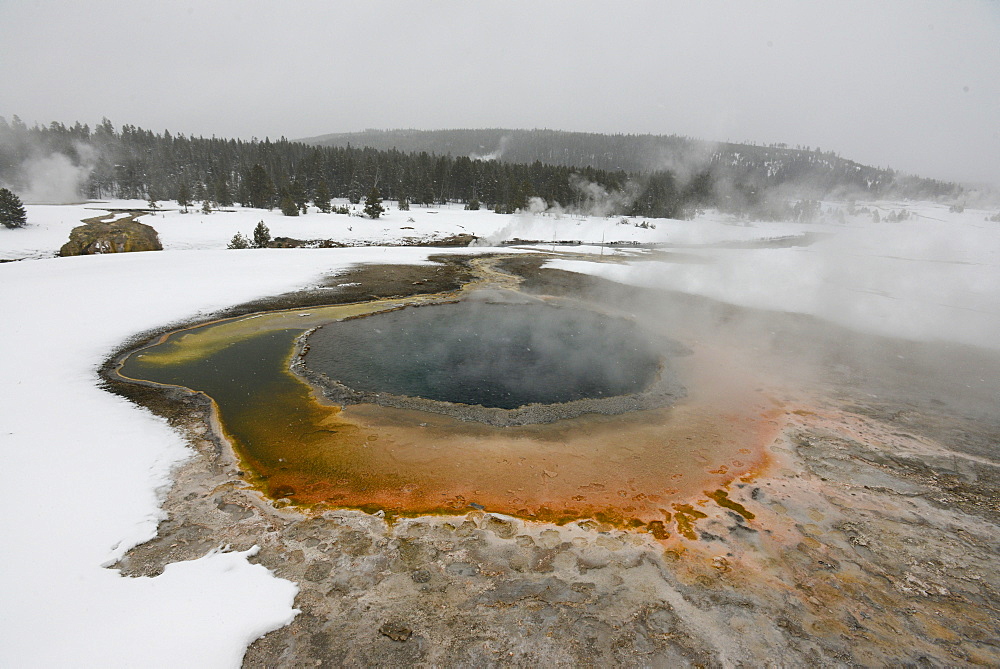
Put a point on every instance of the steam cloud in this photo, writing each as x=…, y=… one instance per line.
x=53, y=179
x=49, y=177
x=496, y=154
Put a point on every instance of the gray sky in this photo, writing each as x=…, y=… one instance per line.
x=910, y=84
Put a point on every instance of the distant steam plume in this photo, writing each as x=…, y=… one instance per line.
x=496, y=154
x=53, y=179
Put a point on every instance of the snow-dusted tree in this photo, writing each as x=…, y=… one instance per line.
x=261, y=236
x=239, y=242
x=184, y=196
x=288, y=206
x=222, y=195
x=297, y=192
x=373, y=203
x=354, y=192
x=12, y=213
x=259, y=188
x=321, y=198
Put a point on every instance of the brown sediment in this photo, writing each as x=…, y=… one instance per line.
x=616, y=469
x=620, y=470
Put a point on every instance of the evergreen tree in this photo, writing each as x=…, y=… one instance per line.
x=373, y=203
x=199, y=192
x=222, y=195
x=354, y=192
x=321, y=198
x=404, y=204
x=239, y=242
x=297, y=192
x=288, y=207
x=261, y=236
x=184, y=196
x=259, y=189
x=206, y=206
x=12, y=213
x=427, y=195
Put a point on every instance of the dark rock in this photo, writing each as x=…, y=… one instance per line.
x=395, y=631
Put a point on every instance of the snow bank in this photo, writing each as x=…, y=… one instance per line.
x=49, y=226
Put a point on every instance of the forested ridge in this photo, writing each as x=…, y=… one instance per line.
x=811, y=171
x=574, y=170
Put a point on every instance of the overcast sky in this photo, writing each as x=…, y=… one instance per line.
x=911, y=84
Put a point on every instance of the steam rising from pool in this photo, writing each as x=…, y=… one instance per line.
x=502, y=356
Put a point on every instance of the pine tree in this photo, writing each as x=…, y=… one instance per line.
x=184, y=196
x=321, y=198
x=298, y=195
x=206, y=206
x=222, y=195
x=404, y=204
x=261, y=236
x=427, y=196
x=259, y=189
x=373, y=203
x=354, y=192
x=12, y=213
x=288, y=206
x=239, y=242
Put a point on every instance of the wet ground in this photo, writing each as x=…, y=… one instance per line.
x=868, y=535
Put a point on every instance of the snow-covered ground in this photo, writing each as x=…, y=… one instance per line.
x=83, y=466
x=50, y=226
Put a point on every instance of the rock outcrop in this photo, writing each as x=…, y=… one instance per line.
x=121, y=236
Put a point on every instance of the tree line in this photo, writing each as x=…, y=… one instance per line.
x=744, y=168
x=135, y=163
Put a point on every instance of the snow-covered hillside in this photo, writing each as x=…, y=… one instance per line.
x=84, y=466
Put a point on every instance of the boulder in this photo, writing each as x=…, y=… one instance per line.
x=123, y=236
